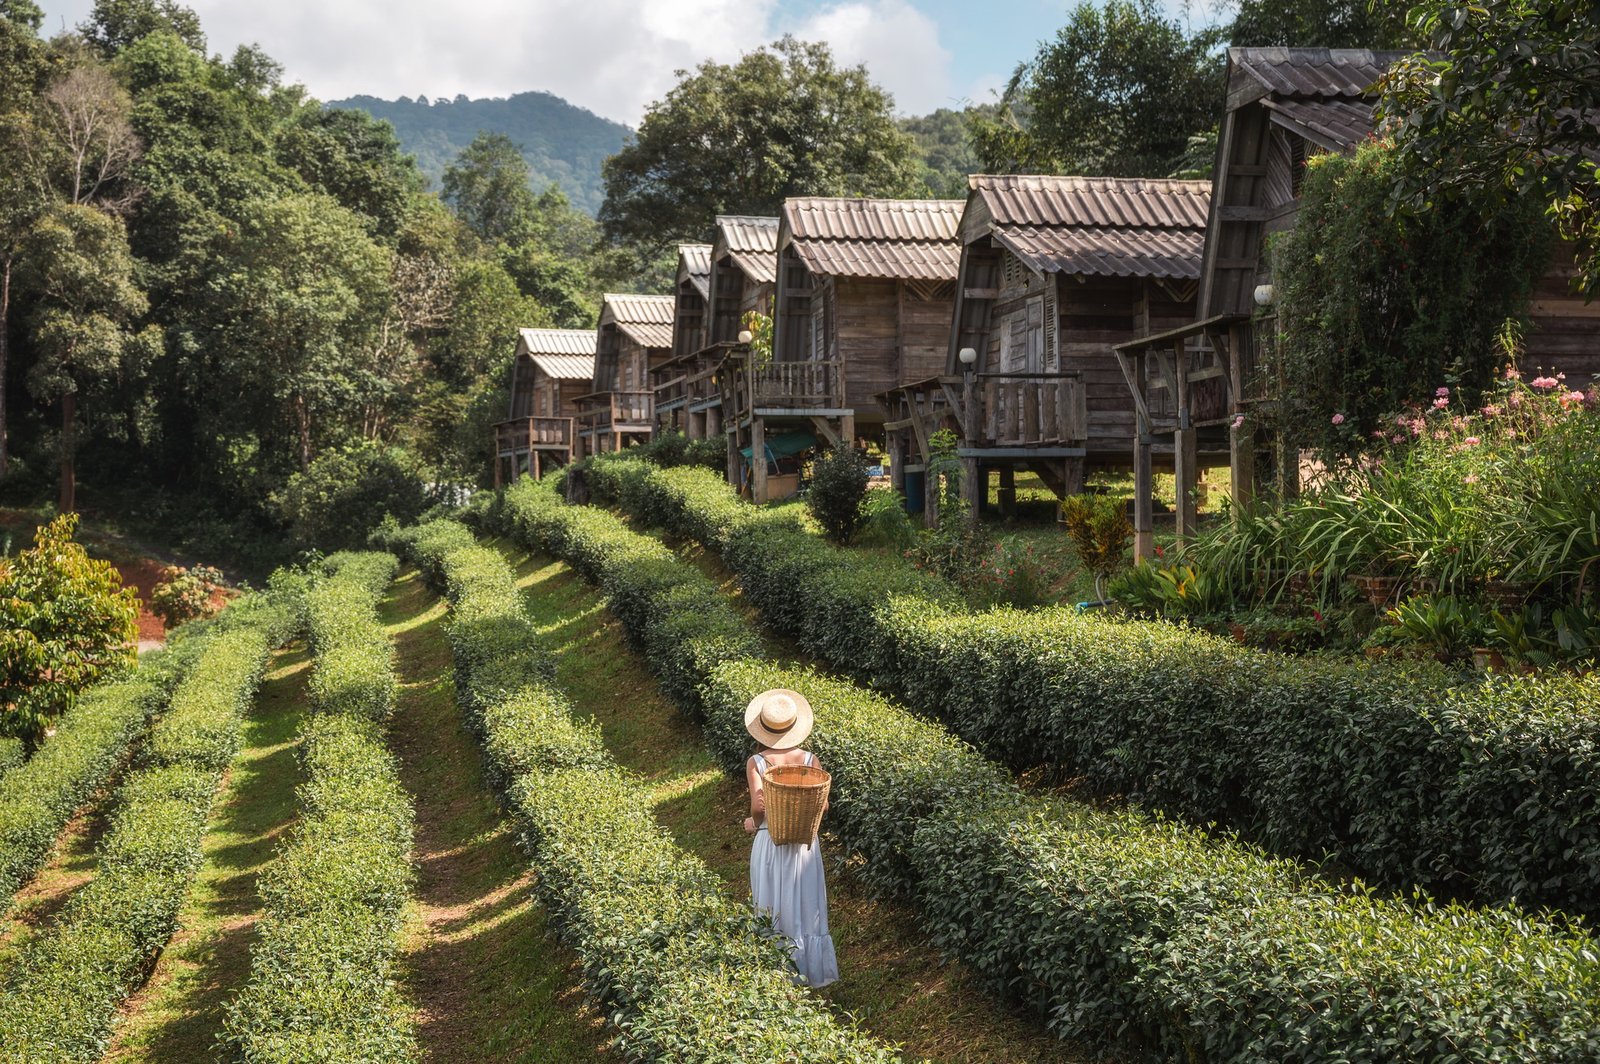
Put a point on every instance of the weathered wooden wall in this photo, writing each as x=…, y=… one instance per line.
x=1564, y=332
x=866, y=337
x=924, y=317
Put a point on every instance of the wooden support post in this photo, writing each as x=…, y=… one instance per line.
x=1072, y=475
x=930, y=499
x=1008, y=490
x=973, y=488
x=538, y=465
x=1241, y=467
x=1144, y=540
x=847, y=432
x=497, y=459
x=1186, y=475
x=897, y=462
x=735, y=476
x=758, y=461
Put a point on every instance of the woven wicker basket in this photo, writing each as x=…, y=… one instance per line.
x=796, y=795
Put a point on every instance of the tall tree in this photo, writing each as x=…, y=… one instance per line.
x=22, y=197
x=1118, y=92
x=783, y=121
x=84, y=325
x=487, y=187
x=115, y=24
x=1320, y=24
x=1505, y=104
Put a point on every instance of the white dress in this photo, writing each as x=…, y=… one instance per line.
x=787, y=882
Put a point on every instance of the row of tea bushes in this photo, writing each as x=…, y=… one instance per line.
x=92, y=740
x=322, y=973
x=13, y=752
x=684, y=972
x=59, y=999
x=1487, y=790
x=1110, y=926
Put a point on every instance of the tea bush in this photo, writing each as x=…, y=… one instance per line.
x=12, y=754
x=838, y=490
x=1112, y=926
x=685, y=973
x=60, y=996
x=1485, y=789
x=322, y=973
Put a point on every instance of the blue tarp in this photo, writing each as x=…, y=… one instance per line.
x=786, y=444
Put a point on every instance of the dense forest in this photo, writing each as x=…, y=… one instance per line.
x=562, y=144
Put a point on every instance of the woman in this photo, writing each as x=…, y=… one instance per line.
x=786, y=881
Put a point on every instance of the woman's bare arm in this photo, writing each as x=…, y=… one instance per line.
x=758, y=797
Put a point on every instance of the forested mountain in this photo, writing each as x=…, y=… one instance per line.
x=562, y=143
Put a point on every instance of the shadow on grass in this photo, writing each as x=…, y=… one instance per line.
x=178, y=1012
x=489, y=980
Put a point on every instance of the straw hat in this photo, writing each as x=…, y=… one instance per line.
x=779, y=719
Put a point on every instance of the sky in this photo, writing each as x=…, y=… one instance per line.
x=615, y=56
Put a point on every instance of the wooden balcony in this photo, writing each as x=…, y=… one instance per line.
x=806, y=387
x=1030, y=410
x=520, y=435
x=602, y=412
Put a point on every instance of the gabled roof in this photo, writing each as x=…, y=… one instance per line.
x=694, y=265
x=1324, y=94
x=1097, y=226
x=752, y=243
x=566, y=367
x=557, y=341
x=876, y=238
x=647, y=320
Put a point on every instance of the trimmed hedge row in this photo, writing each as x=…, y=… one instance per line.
x=686, y=974
x=37, y=798
x=1111, y=926
x=1488, y=790
x=60, y=998
x=322, y=983
x=12, y=754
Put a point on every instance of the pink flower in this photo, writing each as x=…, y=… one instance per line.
x=1440, y=403
x=1470, y=478
x=1543, y=382
x=1513, y=374
x=1338, y=419
x=1443, y=393
x=1238, y=422
x=1572, y=399
x=1491, y=411
x=1472, y=441
x=1402, y=421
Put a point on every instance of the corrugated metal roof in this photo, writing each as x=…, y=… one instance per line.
x=647, y=320
x=1100, y=252
x=1314, y=71
x=909, y=239
x=558, y=341
x=694, y=263
x=900, y=221
x=747, y=233
x=1337, y=124
x=647, y=334
x=1131, y=202
x=760, y=266
x=566, y=367
x=1099, y=226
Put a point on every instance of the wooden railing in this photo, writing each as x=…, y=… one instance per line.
x=605, y=409
x=1032, y=409
x=545, y=433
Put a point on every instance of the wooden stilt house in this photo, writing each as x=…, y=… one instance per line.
x=865, y=291
x=551, y=369
x=634, y=336
x=1191, y=383
x=686, y=394
x=1053, y=272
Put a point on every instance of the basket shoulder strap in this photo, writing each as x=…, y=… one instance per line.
x=761, y=765
x=810, y=758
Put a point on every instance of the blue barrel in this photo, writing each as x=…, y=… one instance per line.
x=914, y=494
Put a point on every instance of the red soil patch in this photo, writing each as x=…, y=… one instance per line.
x=143, y=575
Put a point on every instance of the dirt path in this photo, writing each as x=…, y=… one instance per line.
x=176, y=1015
x=489, y=980
x=898, y=987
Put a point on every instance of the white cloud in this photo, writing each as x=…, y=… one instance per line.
x=899, y=45
x=611, y=56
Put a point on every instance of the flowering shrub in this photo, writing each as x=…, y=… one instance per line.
x=185, y=594
x=1011, y=574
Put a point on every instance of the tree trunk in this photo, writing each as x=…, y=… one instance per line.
x=68, y=502
x=5, y=353
x=302, y=424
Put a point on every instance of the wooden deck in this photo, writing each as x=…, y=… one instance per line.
x=529, y=443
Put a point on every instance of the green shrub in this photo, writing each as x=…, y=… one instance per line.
x=1113, y=926
x=336, y=503
x=1100, y=532
x=59, y=998
x=185, y=595
x=12, y=753
x=686, y=973
x=1411, y=778
x=838, y=488
x=322, y=973
x=66, y=622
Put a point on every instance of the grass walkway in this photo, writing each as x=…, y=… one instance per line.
x=71, y=864
x=176, y=1015
x=490, y=981
x=894, y=983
